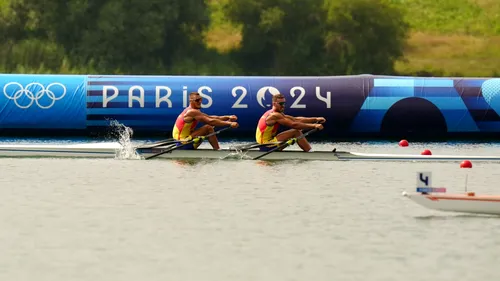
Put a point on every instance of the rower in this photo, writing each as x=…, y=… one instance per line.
x=270, y=121
x=184, y=127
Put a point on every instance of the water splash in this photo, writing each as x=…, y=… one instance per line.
x=124, y=135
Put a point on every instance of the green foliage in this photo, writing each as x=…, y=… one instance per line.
x=280, y=37
x=369, y=35
x=317, y=37
x=452, y=38
x=250, y=37
x=472, y=17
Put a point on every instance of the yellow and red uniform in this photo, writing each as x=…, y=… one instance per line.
x=182, y=129
x=265, y=133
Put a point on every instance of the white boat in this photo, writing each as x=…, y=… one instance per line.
x=342, y=155
x=469, y=202
x=116, y=150
x=87, y=150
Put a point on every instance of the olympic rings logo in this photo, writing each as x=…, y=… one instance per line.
x=21, y=91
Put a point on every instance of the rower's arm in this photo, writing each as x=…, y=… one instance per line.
x=202, y=117
x=307, y=119
x=293, y=123
x=222, y=118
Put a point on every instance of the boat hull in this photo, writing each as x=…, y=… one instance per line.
x=115, y=150
x=231, y=154
x=344, y=155
x=461, y=203
x=95, y=150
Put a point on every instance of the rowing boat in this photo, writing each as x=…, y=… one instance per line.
x=342, y=155
x=86, y=150
x=461, y=203
x=469, y=202
x=116, y=150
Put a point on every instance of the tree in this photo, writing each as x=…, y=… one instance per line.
x=317, y=37
x=368, y=34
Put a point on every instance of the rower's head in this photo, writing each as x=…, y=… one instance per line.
x=195, y=100
x=279, y=102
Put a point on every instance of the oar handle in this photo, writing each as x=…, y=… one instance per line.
x=308, y=133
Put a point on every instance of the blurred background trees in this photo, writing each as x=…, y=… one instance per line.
x=250, y=37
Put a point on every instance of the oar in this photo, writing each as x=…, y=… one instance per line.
x=148, y=148
x=243, y=146
x=286, y=143
x=165, y=141
x=158, y=143
x=253, y=145
x=194, y=140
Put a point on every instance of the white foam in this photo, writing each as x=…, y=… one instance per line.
x=126, y=149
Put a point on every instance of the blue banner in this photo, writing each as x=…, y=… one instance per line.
x=148, y=102
x=357, y=105
x=353, y=105
x=42, y=101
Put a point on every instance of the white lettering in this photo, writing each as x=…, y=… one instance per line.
x=132, y=98
x=301, y=95
x=185, y=96
x=327, y=100
x=205, y=96
x=165, y=98
x=105, y=98
x=238, y=101
x=164, y=94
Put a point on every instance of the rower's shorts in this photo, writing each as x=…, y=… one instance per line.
x=270, y=146
x=190, y=146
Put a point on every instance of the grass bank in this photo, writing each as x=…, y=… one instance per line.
x=452, y=38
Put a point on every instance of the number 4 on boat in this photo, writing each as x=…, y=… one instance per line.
x=436, y=198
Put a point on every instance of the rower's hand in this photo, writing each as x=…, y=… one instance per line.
x=318, y=126
x=234, y=125
x=320, y=120
x=232, y=118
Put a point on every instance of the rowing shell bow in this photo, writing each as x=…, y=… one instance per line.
x=437, y=199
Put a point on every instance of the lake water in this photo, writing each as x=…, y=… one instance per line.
x=107, y=219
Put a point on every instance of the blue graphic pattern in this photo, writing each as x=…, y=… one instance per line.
x=440, y=92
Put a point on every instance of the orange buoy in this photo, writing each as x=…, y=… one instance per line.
x=403, y=143
x=426, y=152
x=466, y=164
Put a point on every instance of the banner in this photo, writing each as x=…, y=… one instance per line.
x=42, y=101
x=153, y=103
x=354, y=106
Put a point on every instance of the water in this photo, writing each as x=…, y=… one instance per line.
x=82, y=219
